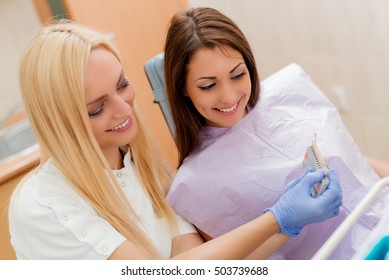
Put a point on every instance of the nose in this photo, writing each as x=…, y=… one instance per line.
x=227, y=94
x=121, y=107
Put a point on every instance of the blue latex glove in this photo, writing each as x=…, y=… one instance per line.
x=296, y=208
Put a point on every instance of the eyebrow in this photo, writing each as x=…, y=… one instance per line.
x=105, y=95
x=233, y=69
x=213, y=77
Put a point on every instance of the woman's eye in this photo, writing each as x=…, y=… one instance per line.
x=96, y=112
x=125, y=84
x=239, y=76
x=206, y=88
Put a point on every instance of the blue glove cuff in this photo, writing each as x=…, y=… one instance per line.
x=293, y=231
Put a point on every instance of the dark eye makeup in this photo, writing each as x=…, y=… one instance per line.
x=206, y=88
x=236, y=77
x=240, y=75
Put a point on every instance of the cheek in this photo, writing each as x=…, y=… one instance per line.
x=201, y=103
x=247, y=84
x=194, y=96
x=97, y=128
x=130, y=95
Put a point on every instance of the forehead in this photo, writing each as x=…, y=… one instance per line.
x=218, y=58
x=101, y=73
x=99, y=60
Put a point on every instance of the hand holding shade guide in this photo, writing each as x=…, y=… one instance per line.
x=313, y=159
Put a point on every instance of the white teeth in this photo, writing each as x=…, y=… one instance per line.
x=227, y=110
x=120, y=125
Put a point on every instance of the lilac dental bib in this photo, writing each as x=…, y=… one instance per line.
x=238, y=172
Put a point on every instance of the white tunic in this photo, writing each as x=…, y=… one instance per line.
x=49, y=220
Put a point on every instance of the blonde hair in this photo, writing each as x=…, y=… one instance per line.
x=52, y=83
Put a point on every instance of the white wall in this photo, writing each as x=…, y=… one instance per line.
x=343, y=45
x=18, y=23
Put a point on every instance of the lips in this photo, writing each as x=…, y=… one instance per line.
x=227, y=110
x=120, y=126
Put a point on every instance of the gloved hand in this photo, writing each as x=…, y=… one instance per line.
x=296, y=208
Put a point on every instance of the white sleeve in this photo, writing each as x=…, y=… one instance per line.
x=62, y=227
x=184, y=226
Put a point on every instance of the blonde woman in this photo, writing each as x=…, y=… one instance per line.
x=99, y=190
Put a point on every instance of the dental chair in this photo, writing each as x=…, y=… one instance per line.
x=376, y=245
x=155, y=74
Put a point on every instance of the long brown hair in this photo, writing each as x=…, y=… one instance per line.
x=189, y=31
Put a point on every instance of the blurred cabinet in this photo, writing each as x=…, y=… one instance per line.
x=11, y=172
x=6, y=188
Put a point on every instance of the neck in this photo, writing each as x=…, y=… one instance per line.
x=120, y=163
x=115, y=159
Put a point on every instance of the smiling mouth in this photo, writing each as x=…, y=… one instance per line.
x=120, y=126
x=227, y=110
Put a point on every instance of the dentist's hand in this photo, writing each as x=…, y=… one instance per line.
x=296, y=208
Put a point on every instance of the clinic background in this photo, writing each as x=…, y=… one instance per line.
x=343, y=45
